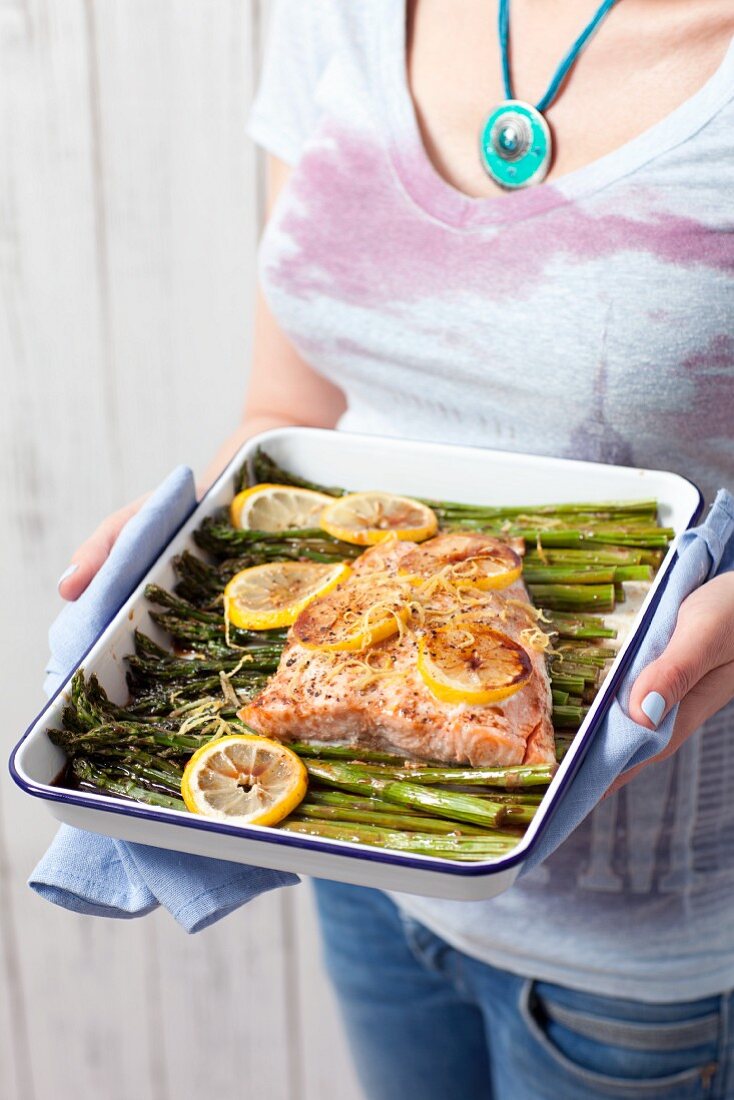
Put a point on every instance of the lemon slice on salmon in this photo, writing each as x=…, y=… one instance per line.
x=463, y=561
x=270, y=596
x=277, y=508
x=244, y=780
x=471, y=662
x=351, y=618
x=367, y=518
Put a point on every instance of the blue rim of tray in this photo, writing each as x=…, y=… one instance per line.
x=349, y=849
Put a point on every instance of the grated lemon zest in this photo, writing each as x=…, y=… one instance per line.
x=361, y=667
x=540, y=523
x=227, y=638
x=535, y=638
x=381, y=611
x=461, y=637
x=441, y=583
x=523, y=605
x=228, y=690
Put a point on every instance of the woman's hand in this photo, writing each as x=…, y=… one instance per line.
x=696, y=669
x=88, y=558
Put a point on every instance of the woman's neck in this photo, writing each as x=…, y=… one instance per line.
x=644, y=61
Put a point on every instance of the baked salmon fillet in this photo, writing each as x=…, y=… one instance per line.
x=377, y=698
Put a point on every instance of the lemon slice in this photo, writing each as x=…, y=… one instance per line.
x=464, y=561
x=367, y=518
x=277, y=508
x=470, y=662
x=244, y=780
x=351, y=618
x=273, y=595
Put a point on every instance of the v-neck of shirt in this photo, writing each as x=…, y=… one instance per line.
x=428, y=189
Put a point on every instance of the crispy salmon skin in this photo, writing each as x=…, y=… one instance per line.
x=376, y=698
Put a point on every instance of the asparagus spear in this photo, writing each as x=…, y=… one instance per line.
x=88, y=704
x=646, y=539
x=579, y=651
x=219, y=538
x=350, y=753
x=202, y=583
x=507, y=778
x=394, y=820
x=207, y=638
x=570, y=597
x=568, y=717
x=632, y=573
x=563, y=744
x=575, y=670
x=426, y=843
x=137, y=770
x=584, y=574
x=596, y=556
x=457, y=807
x=569, y=574
x=157, y=595
x=578, y=625
x=199, y=624
x=519, y=815
x=198, y=582
x=256, y=658
x=87, y=772
x=161, y=701
x=568, y=684
x=144, y=736
x=327, y=797
x=606, y=555
x=266, y=470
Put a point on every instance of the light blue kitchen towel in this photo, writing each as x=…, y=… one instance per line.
x=94, y=874
x=620, y=744
x=138, y=545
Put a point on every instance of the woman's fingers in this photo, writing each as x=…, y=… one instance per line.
x=92, y=554
x=696, y=670
x=703, y=640
x=87, y=560
x=711, y=693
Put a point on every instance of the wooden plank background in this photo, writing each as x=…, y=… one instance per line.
x=129, y=207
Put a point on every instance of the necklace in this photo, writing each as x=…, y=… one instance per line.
x=515, y=144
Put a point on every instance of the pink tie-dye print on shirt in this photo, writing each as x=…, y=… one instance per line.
x=503, y=333
x=357, y=238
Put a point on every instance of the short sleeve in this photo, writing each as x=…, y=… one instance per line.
x=299, y=45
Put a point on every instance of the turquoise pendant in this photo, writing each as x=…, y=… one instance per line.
x=515, y=145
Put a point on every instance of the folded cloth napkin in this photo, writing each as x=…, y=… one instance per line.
x=620, y=744
x=94, y=874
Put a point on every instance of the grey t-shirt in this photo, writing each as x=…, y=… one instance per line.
x=591, y=317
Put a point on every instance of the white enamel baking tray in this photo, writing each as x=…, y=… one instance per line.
x=359, y=462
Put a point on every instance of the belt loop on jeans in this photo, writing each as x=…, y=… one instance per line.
x=724, y=1054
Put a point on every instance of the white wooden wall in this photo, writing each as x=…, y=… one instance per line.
x=129, y=205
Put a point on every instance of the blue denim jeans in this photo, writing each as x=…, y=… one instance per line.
x=426, y=1022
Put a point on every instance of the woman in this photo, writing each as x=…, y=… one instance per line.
x=404, y=292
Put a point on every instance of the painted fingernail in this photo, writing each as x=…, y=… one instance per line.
x=66, y=574
x=653, y=705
